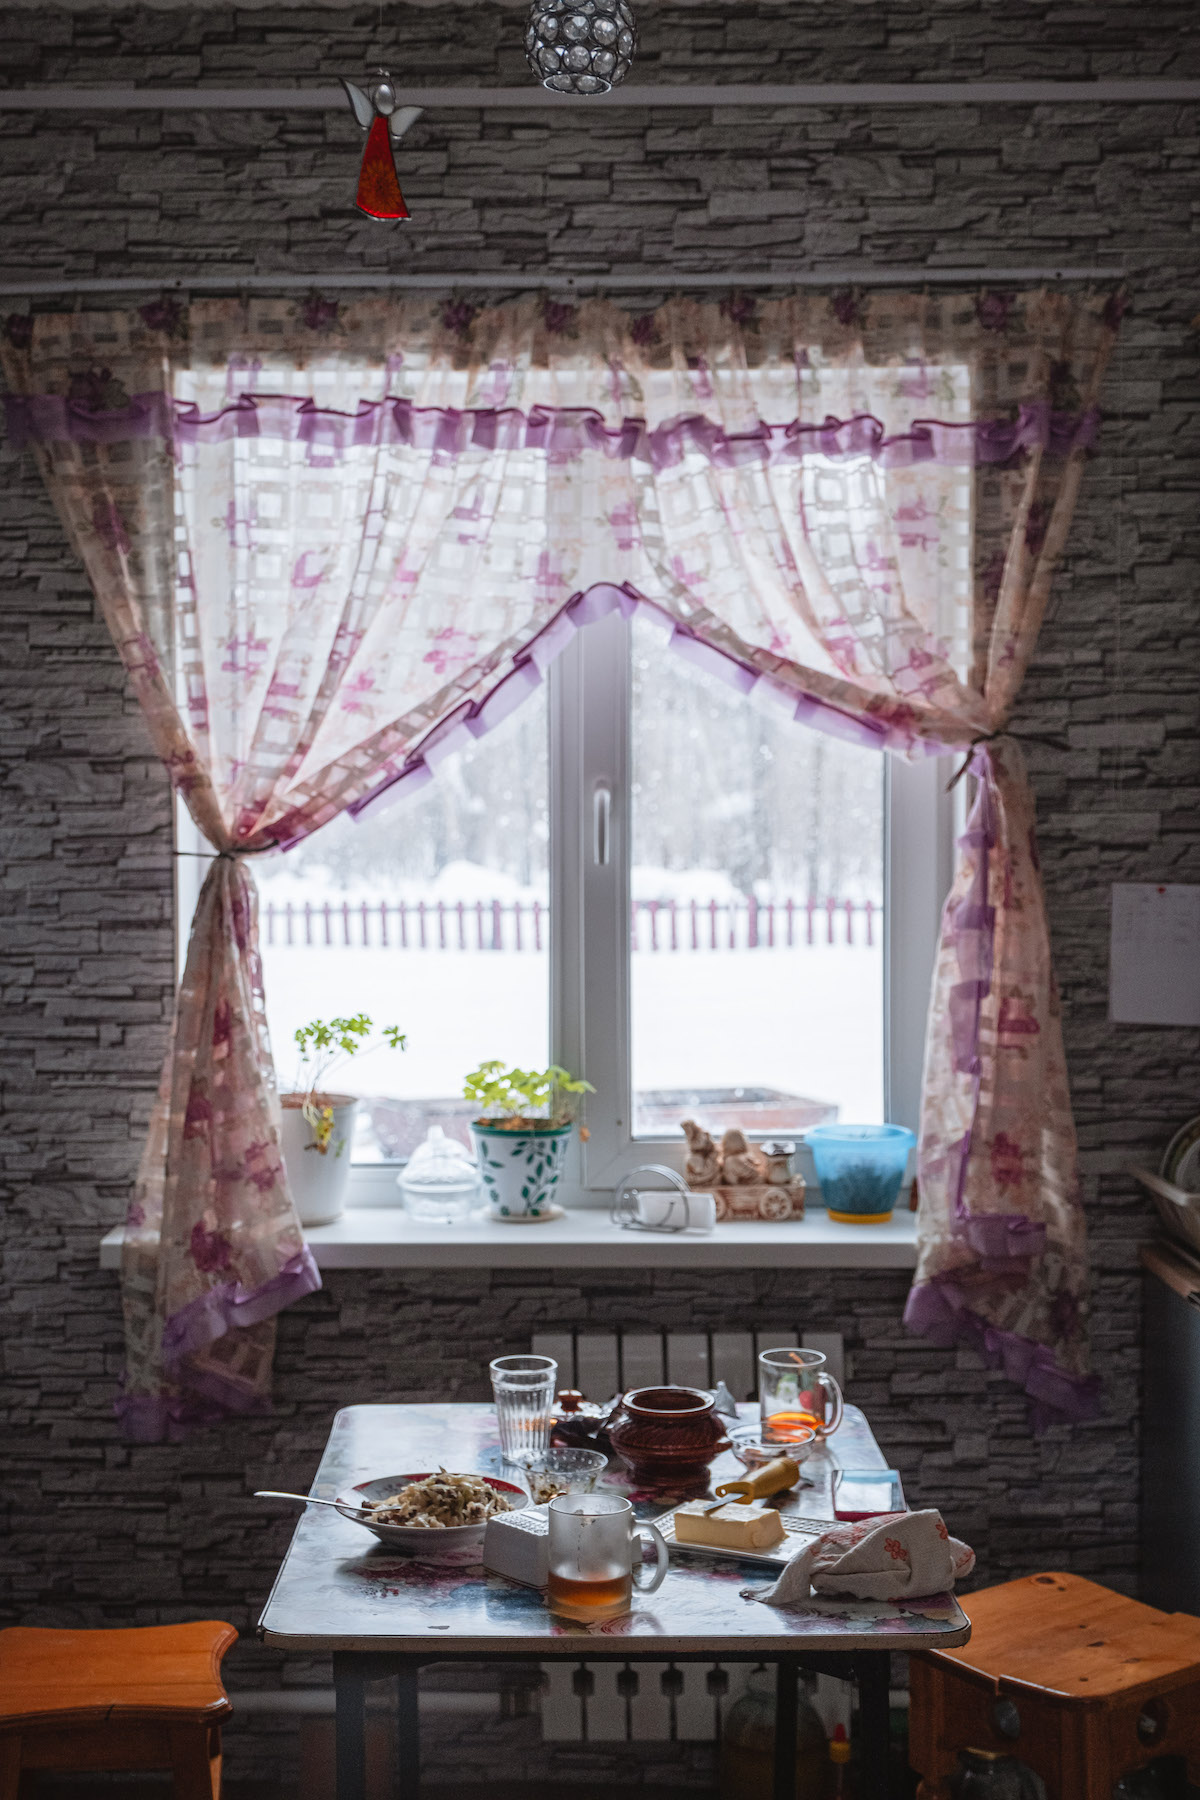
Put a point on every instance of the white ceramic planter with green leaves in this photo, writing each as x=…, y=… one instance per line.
x=520, y=1170
x=317, y=1177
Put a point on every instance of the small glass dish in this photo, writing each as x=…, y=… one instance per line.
x=439, y=1184
x=753, y=1451
x=555, y=1472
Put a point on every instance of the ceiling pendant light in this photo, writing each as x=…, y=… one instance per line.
x=580, y=46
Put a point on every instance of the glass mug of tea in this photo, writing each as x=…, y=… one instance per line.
x=592, y=1539
x=796, y=1394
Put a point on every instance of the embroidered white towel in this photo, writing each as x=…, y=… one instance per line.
x=886, y=1558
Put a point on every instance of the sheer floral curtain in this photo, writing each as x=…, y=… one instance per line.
x=330, y=540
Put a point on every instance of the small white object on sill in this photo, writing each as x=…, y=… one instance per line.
x=670, y=1209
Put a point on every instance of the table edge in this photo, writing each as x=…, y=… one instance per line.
x=573, y=1645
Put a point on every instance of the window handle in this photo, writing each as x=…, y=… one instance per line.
x=601, y=821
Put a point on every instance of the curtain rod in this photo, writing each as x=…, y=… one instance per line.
x=533, y=98
x=664, y=281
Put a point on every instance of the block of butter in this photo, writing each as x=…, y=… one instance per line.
x=732, y=1527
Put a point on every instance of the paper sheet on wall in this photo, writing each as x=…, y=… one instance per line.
x=1154, y=965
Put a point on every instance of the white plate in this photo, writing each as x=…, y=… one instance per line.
x=427, y=1540
x=800, y=1530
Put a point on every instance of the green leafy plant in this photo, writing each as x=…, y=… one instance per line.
x=525, y=1099
x=322, y=1046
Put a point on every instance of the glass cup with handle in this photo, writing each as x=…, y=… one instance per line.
x=592, y=1543
x=796, y=1394
x=523, y=1388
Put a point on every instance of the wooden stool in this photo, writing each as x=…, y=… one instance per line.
x=1076, y=1681
x=150, y=1698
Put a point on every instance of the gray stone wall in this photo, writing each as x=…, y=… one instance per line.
x=102, y=1533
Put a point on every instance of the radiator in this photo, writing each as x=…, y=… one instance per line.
x=664, y=1702
x=602, y=1363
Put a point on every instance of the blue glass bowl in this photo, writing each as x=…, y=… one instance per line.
x=860, y=1169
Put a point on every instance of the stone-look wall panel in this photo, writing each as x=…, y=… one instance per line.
x=99, y=1532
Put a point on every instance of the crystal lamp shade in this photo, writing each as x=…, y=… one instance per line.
x=580, y=46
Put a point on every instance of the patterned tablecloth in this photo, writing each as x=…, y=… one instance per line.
x=338, y=1589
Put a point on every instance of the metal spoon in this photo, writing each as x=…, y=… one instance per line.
x=307, y=1500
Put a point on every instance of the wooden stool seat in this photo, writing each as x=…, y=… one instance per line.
x=1080, y=1683
x=148, y=1698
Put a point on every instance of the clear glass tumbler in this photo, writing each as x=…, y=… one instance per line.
x=592, y=1571
x=524, y=1388
x=796, y=1395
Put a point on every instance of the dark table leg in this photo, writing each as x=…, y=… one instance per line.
x=786, y=1673
x=874, y=1670
x=350, y=1726
x=408, y=1732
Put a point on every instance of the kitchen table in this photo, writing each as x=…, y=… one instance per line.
x=339, y=1591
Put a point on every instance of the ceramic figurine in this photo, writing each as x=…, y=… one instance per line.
x=703, y=1166
x=779, y=1176
x=385, y=124
x=778, y=1161
x=741, y=1166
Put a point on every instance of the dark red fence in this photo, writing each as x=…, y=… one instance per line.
x=525, y=924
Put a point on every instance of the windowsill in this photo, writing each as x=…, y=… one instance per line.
x=386, y=1238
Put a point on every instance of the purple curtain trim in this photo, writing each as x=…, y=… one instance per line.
x=870, y=734
x=735, y=674
x=50, y=418
x=229, y=1305
x=1004, y=1237
x=157, y=1419
x=478, y=717
x=561, y=433
x=505, y=698
x=940, y=1311
x=171, y=1419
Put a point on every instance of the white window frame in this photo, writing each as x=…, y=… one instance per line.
x=590, y=687
x=589, y=899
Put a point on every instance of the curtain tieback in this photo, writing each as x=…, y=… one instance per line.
x=987, y=737
x=234, y=854
x=990, y=737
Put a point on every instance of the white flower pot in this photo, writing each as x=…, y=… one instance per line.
x=318, y=1179
x=520, y=1169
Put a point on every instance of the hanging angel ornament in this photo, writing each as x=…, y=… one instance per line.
x=385, y=124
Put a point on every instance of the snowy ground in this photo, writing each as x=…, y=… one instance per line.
x=807, y=1021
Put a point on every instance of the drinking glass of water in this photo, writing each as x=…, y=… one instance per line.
x=523, y=1387
x=592, y=1539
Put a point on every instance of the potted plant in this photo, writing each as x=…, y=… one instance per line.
x=317, y=1127
x=522, y=1135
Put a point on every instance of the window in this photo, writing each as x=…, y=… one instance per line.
x=707, y=909
x=701, y=905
